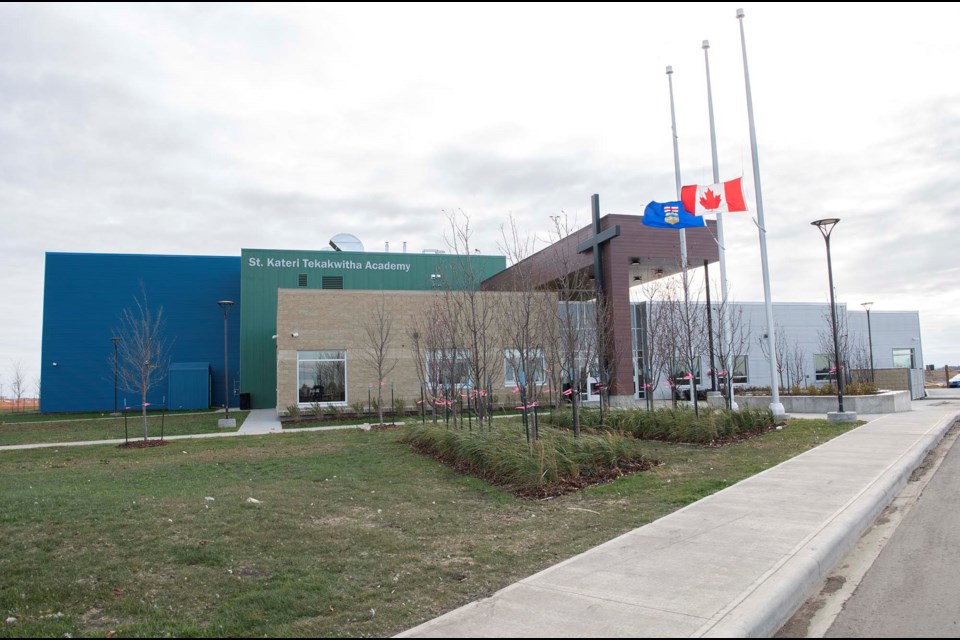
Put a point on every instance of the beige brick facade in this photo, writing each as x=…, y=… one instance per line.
x=335, y=319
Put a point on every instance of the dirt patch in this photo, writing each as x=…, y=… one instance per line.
x=143, y=444
x=833, y=584
x=386, y=426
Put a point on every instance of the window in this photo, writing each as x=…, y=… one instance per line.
x=536, y=364
x=740, y=374
x=680, y=370
x=446, y=367
x=823, y=365
x=322, y=376
x=903, y=359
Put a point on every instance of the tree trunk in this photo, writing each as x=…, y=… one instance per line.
x=380, y=403
x=143, y=412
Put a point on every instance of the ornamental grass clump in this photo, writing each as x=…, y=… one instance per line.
x=554, y=463
x=679, y=424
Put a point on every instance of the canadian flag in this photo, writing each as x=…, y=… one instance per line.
x=714, y=198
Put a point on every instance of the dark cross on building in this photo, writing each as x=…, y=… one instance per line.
x=595, y=242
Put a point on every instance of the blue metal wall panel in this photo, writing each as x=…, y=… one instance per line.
x=84, y=295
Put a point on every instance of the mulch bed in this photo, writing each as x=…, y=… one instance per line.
x=386, y=426
x=143, y=444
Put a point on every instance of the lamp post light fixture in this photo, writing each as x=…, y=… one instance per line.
x=826, y=228
x=868, y=306
x=226, y=421
x=116, y=362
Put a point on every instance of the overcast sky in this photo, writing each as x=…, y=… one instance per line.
x=202, y=129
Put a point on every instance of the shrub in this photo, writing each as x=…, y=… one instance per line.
x=860, y=388
x=317, y=410
x=679, y=424
x=294, y=412
x=399, y=406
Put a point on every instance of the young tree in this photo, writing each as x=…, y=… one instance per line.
x=377, y=352
x=663, y=335
x=693, y=323
x=732, y=337
x=798, y=358
x=525, y=324
x=476, y=311
x=578, y=323
x=18, y=385
x=143, y=350
x=825, y=342
x=782, y=353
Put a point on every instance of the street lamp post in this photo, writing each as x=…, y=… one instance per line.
x=226, y=422
x=867, y=306
x=116, y=360
x=826, y=227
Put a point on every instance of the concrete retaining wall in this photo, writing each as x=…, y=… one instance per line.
x=887, y=402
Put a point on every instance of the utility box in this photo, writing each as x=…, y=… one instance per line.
x=189, y=385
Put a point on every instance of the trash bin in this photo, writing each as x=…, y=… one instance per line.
x=244, y=402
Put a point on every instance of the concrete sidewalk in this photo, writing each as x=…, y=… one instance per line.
x=737, y=563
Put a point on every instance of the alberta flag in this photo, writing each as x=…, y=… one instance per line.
x=670, y=215
x=714, y=198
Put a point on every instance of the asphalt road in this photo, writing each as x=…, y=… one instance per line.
x=913, y=587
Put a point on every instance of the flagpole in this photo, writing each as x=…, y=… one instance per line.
x=725, y=300
x=676, y=170
x=683, y=232
x=775, y=405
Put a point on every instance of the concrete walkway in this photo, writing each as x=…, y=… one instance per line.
x=260, y=421
x=737, y=563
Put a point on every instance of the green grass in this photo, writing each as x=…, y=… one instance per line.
x=112, y=428
x=355, y=534
x=35, y=416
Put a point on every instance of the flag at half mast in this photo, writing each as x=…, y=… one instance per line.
x=714, y=198
x=670, y=215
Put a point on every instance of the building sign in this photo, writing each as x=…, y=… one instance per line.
x=328, y=263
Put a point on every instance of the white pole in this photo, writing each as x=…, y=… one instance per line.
x=725, y=300
x=683, y=232
x=676, y=170
x=775, y=405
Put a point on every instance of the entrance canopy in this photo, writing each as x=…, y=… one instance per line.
x=631, y=254
x=638, y=251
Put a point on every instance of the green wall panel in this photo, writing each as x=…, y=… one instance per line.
x=264, y=271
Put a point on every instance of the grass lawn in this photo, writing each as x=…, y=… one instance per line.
x=354, y=534
x=111, y=428
x=36, y=416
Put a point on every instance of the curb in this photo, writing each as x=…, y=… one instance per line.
x=776, y=596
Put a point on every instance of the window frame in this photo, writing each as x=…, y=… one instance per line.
x=508, y=366
x=824, y=375
x=316, y=360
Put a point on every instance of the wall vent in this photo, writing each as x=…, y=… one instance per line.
x=302, y=280
x=332, y=282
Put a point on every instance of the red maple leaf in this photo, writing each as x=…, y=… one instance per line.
x=710, y=200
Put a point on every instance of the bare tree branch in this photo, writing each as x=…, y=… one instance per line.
x=143, y=350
